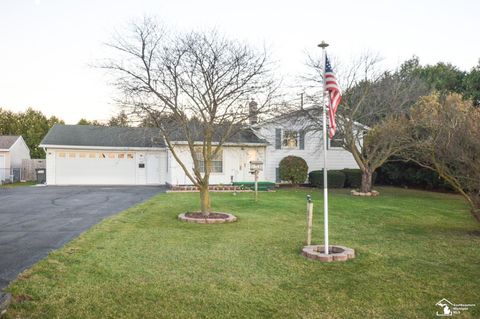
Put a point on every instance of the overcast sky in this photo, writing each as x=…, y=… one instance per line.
x=47, y=46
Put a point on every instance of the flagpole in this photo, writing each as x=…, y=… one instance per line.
x=324, y=45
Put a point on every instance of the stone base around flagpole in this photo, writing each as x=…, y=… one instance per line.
x=335, y=253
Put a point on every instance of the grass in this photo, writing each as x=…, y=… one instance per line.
x=413, y=248
x=18, y=184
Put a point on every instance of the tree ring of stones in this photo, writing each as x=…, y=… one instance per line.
x=335, y=253
x=372, y=193
x=229, y=218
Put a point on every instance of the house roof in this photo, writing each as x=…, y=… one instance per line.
x=108, y=136
x=6, y=141
x=299, y=115
x=91, y=135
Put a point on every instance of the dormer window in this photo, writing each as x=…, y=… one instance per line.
x=290, y=139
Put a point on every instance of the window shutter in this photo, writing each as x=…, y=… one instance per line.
x=277, y=175
x=302, y=140
x=278, y=138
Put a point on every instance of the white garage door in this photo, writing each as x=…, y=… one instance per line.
x=94, y=167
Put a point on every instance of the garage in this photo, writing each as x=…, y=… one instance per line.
x=94, y=167
x=94, y=155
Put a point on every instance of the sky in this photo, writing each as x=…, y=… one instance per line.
x=49, y=48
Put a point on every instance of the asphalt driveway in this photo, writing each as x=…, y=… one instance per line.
x=37, y=220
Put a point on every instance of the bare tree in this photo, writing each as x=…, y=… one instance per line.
x=194, y=87
x=366, y=117
x=443, y=135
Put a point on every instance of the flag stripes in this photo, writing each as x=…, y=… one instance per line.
x=334, y=96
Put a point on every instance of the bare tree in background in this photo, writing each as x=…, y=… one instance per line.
x=194, y=87
x=444, y=135
x=367, y=116
x=121, y=119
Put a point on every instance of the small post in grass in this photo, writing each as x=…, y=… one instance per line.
x=309, y=219
x=256, y=186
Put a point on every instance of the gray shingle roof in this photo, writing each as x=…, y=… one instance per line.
x=88, y=135
x=6, y=141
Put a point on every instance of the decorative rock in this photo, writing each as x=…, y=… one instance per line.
x=336, y=253
x=229, y=219
x=5, y=300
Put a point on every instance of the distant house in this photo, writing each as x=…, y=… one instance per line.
x=13, y=150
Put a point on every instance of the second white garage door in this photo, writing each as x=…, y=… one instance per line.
x=95, y=168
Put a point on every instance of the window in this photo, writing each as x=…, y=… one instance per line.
x=103, y=155
x=336, y=142
x=217, y=162
x=130, y=156
x=92, y=155
x=121, y=155
x=71, y=155
x=111, y=155
x=290, y=139
x=61, y=154
x=82, y=155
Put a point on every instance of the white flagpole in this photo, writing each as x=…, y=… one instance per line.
x=324, y=45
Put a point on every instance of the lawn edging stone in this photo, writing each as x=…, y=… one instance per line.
x=230, y=218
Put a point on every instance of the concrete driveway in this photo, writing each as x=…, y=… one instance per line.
x=37, y=220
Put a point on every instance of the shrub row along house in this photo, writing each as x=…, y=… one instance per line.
x=88, y=155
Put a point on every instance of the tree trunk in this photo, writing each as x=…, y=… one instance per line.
x=366, y=181
x=205, y=199
x=474, y=200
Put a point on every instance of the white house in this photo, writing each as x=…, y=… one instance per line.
x=290, y=136
x=88, y=155
x=13, y=150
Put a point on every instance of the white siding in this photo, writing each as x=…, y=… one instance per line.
x=338, y=158
x=236, y=164
x=50, y=166
x=18, y=152
x=3, y=165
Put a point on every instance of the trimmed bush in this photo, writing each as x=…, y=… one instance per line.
x=353, y=177
x=411, y=175
x=293, y=169
x=336, y=179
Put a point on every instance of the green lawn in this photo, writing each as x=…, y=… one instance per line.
x=17, y=184
x=413, y=248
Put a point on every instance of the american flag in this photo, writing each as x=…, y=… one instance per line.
x=334, y=94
